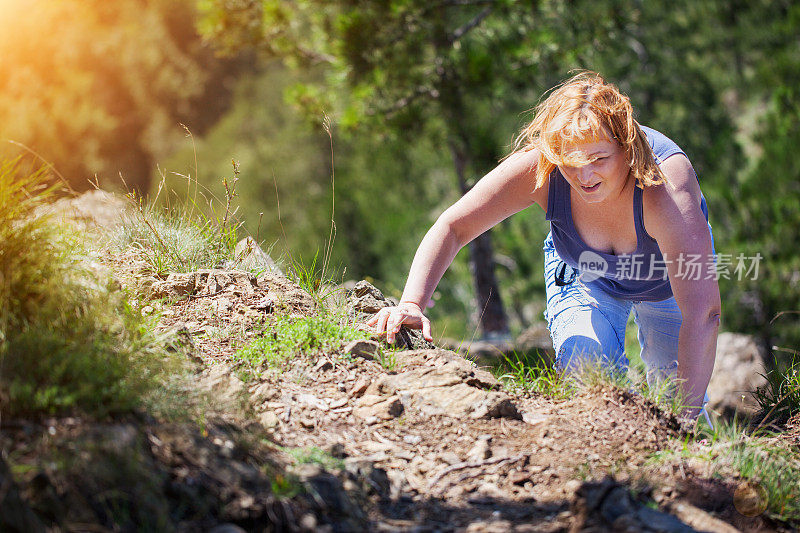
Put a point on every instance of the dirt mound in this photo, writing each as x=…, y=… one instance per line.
x=440, y=445
x=369, y=437
x=161, y=477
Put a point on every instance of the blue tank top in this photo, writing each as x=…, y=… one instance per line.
x=641, y=275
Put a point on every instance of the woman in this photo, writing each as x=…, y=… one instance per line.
x=629, y=231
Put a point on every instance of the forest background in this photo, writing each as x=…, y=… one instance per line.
x=380, y=114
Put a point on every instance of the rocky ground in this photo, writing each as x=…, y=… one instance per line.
x=359, y=438
x=430, y=442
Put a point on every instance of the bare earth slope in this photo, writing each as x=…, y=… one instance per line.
x=430, y=442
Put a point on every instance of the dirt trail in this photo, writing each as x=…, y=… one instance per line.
x=433, y=443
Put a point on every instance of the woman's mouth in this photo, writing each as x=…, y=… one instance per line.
x=592, y=188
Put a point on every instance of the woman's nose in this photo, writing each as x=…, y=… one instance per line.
x=585, y=174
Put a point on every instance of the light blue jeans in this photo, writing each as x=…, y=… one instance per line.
x=588, y=325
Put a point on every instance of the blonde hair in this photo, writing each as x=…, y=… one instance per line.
x=586, y=107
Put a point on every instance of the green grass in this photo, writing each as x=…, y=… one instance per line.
x=169, y=240
x=314, y=455
x=735, y=450
x=777, y=470
x=532, y=372
x=286, y=338
x=182, y=237
x=779, y=399
x=755, y=455
x=387, y=358
x=69, y=340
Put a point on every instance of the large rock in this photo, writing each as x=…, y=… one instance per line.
x=364, y=300
x=251, y=257
x=446, y=385
x=207, y=282
x=94, y=208
x=738, y=370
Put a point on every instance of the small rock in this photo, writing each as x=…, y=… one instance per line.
x=738, y=370
x=362, y=348
x=336, y=404
x=412, y=439
x=481, y=449
x=268, y=419
x=360, y=387
x=252, y=257
x=312, y=401
x=322, y=365
x=519, y=477
x=572, y=486
x=534, y=418
x=337, y=450
x=378, y=406
x=308, y=522
x=265, y=305
x=175, y=286
x=363, y=288
x=491, y=490
x=450, y=458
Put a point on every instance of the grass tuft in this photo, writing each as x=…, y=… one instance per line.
x=69, y=340
x=533, y=373
x=314, y=455
x=168, y=241
x=286, y=338
x=779, y=399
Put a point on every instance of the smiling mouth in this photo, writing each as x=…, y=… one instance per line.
x=592, y=188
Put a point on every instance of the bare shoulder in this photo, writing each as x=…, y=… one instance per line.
x=673, y=207
x=519, y=169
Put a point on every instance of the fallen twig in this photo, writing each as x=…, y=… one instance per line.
x=476, y=464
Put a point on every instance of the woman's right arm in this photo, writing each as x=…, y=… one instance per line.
x=502, y=192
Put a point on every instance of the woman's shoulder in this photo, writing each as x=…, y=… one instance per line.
x=662, y=146
x=525, y=163
x=667, y=203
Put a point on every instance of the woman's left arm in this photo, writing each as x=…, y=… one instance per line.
x=673, y=217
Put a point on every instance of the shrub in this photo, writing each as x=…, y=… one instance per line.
x=69, y=340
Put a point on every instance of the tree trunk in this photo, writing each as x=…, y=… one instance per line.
x=492, y=315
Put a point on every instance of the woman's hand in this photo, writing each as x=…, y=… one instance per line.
x=389, y=319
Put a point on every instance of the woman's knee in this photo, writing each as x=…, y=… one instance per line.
x=577, y=352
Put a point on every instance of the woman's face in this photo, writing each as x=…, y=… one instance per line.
x=606, y=174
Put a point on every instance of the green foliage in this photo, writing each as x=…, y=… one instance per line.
x=756, y=456
x=69, y=340
x=777, y=471
x=387, y=358
x=173, y=240
x=286, y=338
x=286, y=486
x=533, y=372
x=769, y=220
x=314, y=455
